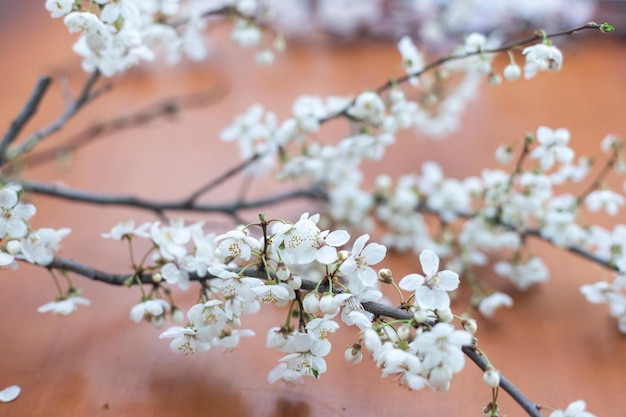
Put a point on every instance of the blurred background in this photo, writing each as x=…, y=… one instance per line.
x=553, y=344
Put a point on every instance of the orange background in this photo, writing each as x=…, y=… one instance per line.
x=553, y=345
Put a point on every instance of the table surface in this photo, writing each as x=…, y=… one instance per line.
x=553, y=344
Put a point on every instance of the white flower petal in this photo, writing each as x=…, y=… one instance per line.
x=10, y=393
x=429, y=261
x=411, y=282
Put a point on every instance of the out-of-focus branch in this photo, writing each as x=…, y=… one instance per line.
x=184, y=204
x=87, y=94
x=536, y=233
x=221, y=179
x=29, y=109
x=168, y=107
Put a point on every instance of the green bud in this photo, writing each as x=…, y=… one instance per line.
x=606, y=28
x=529, y=138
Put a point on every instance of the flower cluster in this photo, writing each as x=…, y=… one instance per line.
x=431, y=355
x=17, y=239
x=116, y=35
x=240, y=272
x=495, y=208
x=435, y=22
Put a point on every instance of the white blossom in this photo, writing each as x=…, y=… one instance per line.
x=361, y=257
x=608, y=200
x=305, y=358
x=523, y=275
x=431, y=290
x=368, y=107
x=189, y=339
x=552, y=147
x=64, y=306
x=442, y=355
x=151, y=310
x=59, y=8
x=127, y=229
x=489, y=304
x=237, y=243
x=541, y=57
x=574, y=409
x=13, y=214
x=40, y=246
x=412, y=60
x=512, y=72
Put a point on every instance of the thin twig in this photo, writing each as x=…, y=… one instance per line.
x=391, y=83
x=88, y=94
x=170, y=106
x=536, y=233
x=530, y=407
x=30, y=108
x=600, y=177
x=219, y=180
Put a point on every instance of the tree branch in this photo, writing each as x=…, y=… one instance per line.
x=375, y=308
x=167, y=107
x=219, y=180
x=314, y=193
x=30, y=108
x=87, y=95
x=530, y=407
x=389, y=84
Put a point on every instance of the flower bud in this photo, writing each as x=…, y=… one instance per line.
x=354, y=353
x=470, y=325
x=157, y=321
x=512, y=72
x=383, y=182
x=404, y=331
x=327, y=304
x=294, y=282
x=420, y=315
x=311, y=303
x=246, y=7
x=494, y=79
x=276, y=337
x=385, y=275
x=13, y=247
x=504, y=154
x=484, y=67
x=282, y=272
x=235, y=323
x=279, y=43
x=491, y=377
x=396, y=95
x=157, y=277
x=440, y=377
x=445, y=315
x=177, y=315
